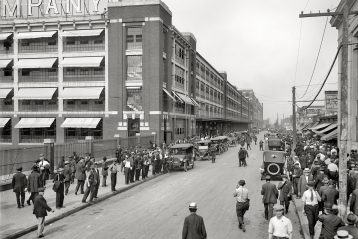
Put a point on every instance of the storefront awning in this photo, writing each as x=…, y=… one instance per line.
x=35, y=35
x=82, y=61
x=319, y=126
x=35, y=123
x=4, y=93
x=195, y=102
x=83, y=33
x=168, y=94
x=5, y=35
x=3, y=122
x=5, y=63
x=177, y=97
x=325, y=130
x=330, y=136
x=35, y=63
x=185, y=98
x=35, y=93
x=90, y=123
x=80, y=93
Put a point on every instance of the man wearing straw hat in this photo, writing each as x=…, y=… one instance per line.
x=342, y=234
x=194, y=227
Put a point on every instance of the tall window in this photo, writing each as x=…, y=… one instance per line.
x=134, y=67
x=134, y=38
x=134, y=100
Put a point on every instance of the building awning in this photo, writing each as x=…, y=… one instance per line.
x=35, y=93
x=178, y=97
x=325, y=130
x=35, y=35
x=185, y=98
x=168, y=94
x=83, y=33
x=88, y=123
x=195, y=102
x=319, y=126
x=5, y=35
x=35, y=63
x=305, y=125
x=3, y=122
x=330, y=136
x=5, y=63
x=82, y=61
x=81, y=93
x=4, y=93
x=35, y=123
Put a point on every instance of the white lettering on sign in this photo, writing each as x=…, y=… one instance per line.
x=52, y=5
x=75, y=5
x=30, y=5
x=95, y=3
x=6, y=8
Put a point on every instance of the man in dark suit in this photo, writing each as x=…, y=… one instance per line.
x=91, y=184
x=194, y=227
x=19, y=183
x=80, y=176
x=98, y=180
x=40, y=211
x=270, y=195
x=33, y=183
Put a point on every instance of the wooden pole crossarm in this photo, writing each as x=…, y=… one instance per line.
x=325, y=14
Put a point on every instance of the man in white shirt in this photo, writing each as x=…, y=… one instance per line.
x=280, y=226
x=242, y=203
x=310, y=199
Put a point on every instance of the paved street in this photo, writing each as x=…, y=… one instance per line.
x=156, y=209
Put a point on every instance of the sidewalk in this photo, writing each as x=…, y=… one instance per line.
x=15, y=222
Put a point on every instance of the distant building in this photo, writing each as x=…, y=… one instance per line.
x=255, y=109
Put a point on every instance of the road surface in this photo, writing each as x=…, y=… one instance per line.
x=157, y=209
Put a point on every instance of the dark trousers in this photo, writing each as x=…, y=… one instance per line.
x=242, y=162
x=261, y=147
x=240, y=212
x=89, y=190
x=145, y=171
x=312, y=217
x=67, y=186
x=72, y=178
x=248, y=146
x=131, y=174
x=80, y=184
x=286, y=204
x=96, y=188
x=59, y=198
x=137, y=174
x=268, y=210
x=32, y=197
x=104, y=183
x=127, y=172
x=113, y=181
x=295, y=186
x=20, y=198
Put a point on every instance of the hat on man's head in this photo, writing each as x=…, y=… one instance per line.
x=343, y=234
x=268, y=177
x=59, y=170
x=310, y=183
x=19, y=168
x=193, y=205
x=278, y=207
x=42, y=189
x=242, y=182
x=66, y=162
x=351, y=218
x=306, y=170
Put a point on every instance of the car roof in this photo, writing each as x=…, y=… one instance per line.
x=204, y=141
x=179, y=146
x=274, y=156
x=220, y=138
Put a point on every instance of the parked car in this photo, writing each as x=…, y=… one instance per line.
x=181, y=156
x=221, y=143
x=203, y=149
x=273, y=164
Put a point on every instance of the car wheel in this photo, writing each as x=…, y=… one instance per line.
x=185, y=167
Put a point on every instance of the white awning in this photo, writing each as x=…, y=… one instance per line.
x=35, y=63
x=4, y=93
x=35, y=123
x=5, y=35
x=5, y=63
x=83, y=33
x=330, y=136
x=185, y=98
x=320, y=126
x=82, y=61
x=168, y=94
x=195, y=102
x=88, y=123
x=35, y=35
x=3, y=122
x=35, y=93
x=81, y=93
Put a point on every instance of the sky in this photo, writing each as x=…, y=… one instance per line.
x=263, y=45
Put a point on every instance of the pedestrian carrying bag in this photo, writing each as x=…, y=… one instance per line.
x=56, y=184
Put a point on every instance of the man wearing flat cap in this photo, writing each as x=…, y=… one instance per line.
x=40, y=211
x=280, y=226
x=194, y=227
x=242, y=203
x=19, y=183
x=269, y=194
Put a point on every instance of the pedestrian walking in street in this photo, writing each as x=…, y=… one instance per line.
x=351, y=228
x=194, y=227
x=242, y=203
x=91, y=184
x=19, y=183
x=33, y=184
x=285, y=188
x=104, y=172
x=330, y=222
x=261, y=143
x=67, y=173
x=280, y=227
x=302, y=182
x=80, y=176
x=40, y=211
x=59, y=188
x=269, y=194
x=255, y=139
x=242, y=157
x=310, y=199
x=331, y=194
x=248, y=144
x=296, y=174
x=113, y=169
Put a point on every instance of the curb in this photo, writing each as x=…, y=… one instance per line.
x=305, y=236
x=77, y=209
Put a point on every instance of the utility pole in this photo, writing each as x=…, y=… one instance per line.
x=342, y=95
x=294, y=121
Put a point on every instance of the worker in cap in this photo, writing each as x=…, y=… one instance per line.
x=279, y=225
x=19, y=183
x=194, y=226
x=40, y=210
x=269, y=194
x=242, y=203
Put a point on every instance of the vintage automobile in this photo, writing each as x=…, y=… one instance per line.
x=275, y=144
x=232, y=142
x=221, y=143
x=203, y=149
x=181, y=156
x=273, y=164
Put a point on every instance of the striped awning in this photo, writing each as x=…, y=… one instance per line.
x=330, y=136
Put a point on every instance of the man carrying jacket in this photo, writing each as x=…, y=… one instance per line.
x=193, y=227
x=270, y=195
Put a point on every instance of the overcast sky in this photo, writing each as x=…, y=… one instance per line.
x=256, y=42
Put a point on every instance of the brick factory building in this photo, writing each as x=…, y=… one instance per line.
x=70, y=70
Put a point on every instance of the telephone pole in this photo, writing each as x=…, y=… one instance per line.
x=294, y=121
x=342, y=95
